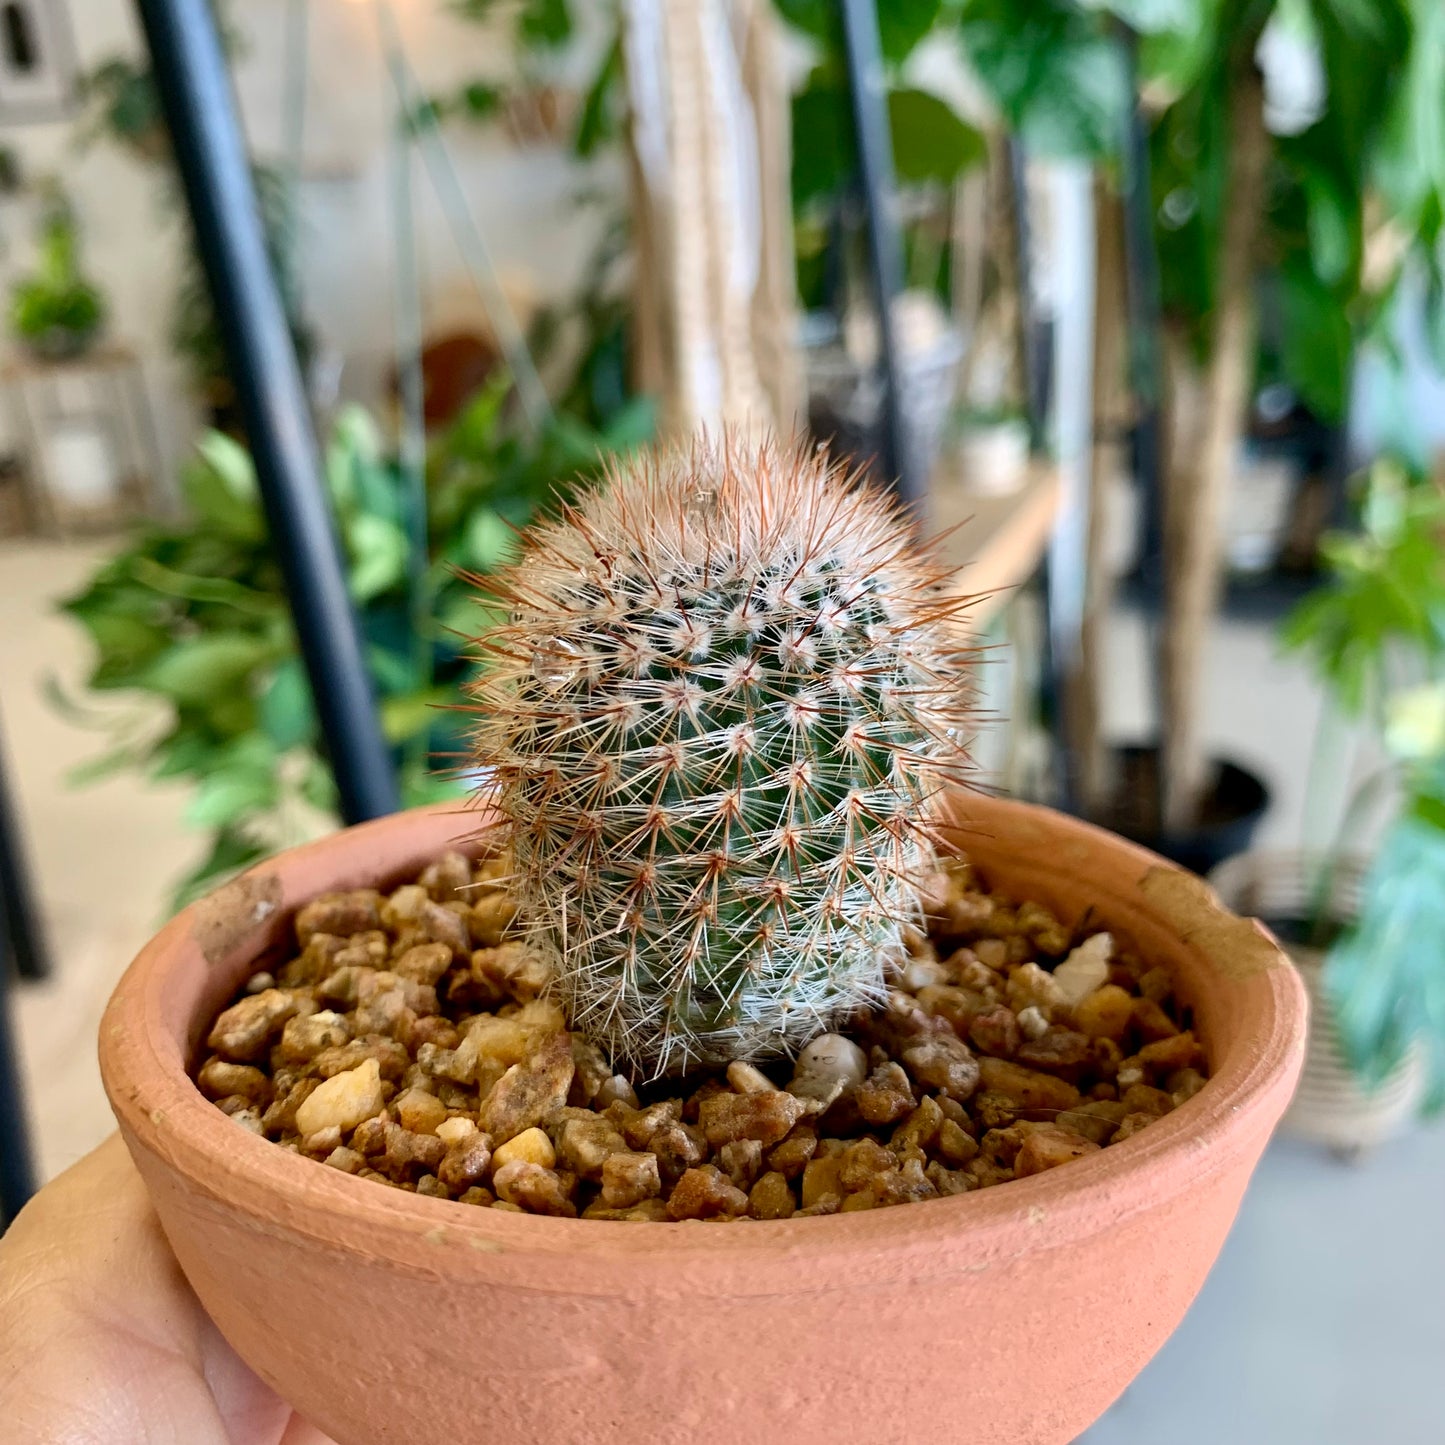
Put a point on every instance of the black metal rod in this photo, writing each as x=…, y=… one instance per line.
x=19, y=917
x=17, y=1161
x=1144, y=328
x=875, y=172
x=194, y=86
x=1033, y=339
x=1033, y=356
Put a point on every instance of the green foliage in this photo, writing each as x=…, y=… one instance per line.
x=1378, y=622
x=57, y=311
x=537, y=30
x=1385, y=975
x=902, y=24
x=1375, y=633
x=194, y=617
x=1052, y=68
x=122, y=103
x=932, y=144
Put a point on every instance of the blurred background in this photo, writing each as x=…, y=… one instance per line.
x=1142, y=300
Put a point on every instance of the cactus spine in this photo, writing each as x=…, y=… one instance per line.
x=727, y=689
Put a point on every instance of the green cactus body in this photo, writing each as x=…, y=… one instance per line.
x=728, y=688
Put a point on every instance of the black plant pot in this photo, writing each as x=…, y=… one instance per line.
x=1234, y=804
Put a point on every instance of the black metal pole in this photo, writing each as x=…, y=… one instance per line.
x=1032, y=337
x=194, y=86
x=875, y=171
x=17, y=1162
x=1054, y=659
x=1144, y=330
x=1144, y=323
x=19, y=919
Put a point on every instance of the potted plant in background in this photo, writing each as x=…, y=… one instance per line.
x=934, y=146
x=122, y=107
x=192, y=616
x=1306, y=221
x=1366, y=921
x=56, y=313
x=721, y=723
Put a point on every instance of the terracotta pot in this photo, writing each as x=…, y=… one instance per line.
x=1014, y=1315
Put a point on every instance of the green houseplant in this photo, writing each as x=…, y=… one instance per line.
x=121, y=106
x=1368, y=924
x=193, y=615
x=724, y=707
x=56, y=312
x=1310, y=230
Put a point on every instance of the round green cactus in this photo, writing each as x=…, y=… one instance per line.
x=728, y=687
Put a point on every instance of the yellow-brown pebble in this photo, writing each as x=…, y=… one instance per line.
x=343, y=1100
x=532, y=1146
x=412, y=1032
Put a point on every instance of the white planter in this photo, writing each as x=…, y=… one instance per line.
x=993, y=459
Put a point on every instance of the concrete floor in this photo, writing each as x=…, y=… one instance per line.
x=1323, y=1323
x=103, y=857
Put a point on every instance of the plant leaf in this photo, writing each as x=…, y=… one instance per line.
x=412, y=714
x=902, y=24
x=930, y=142
x=105, y=766
x=379, y=550
x=545, y=23
x=490, y=542
x=1057, y=78
x=202, y=669
x=1384, y=976
x=220, y=484
x=286, y=709
x=596, y=123
x=227, y=798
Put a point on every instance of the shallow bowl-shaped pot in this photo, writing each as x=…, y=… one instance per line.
x=1012, y=1316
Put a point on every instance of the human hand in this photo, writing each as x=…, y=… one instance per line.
x=103, y=1342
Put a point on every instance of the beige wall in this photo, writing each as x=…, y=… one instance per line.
x=525, y=200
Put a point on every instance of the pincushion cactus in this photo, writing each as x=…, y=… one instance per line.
x=728, y=687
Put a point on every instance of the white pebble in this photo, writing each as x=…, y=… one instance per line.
x=834, y=1054
x=830, y=1064
x=1085, y=969
x=344, y=1100
x=921, y=972
x=1033, y=1022
x=453, y=1131
x=746, y=1079
x=616, y=1090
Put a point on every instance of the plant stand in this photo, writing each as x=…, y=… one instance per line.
x=88, y=452
x=1330, y=1106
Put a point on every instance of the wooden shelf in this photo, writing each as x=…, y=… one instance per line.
x=996, y=542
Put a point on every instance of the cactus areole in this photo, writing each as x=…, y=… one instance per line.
x=728, y=687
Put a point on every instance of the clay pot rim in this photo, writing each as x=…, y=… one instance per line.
x=161, y=1108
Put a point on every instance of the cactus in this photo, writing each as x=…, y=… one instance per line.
x=726, y=690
